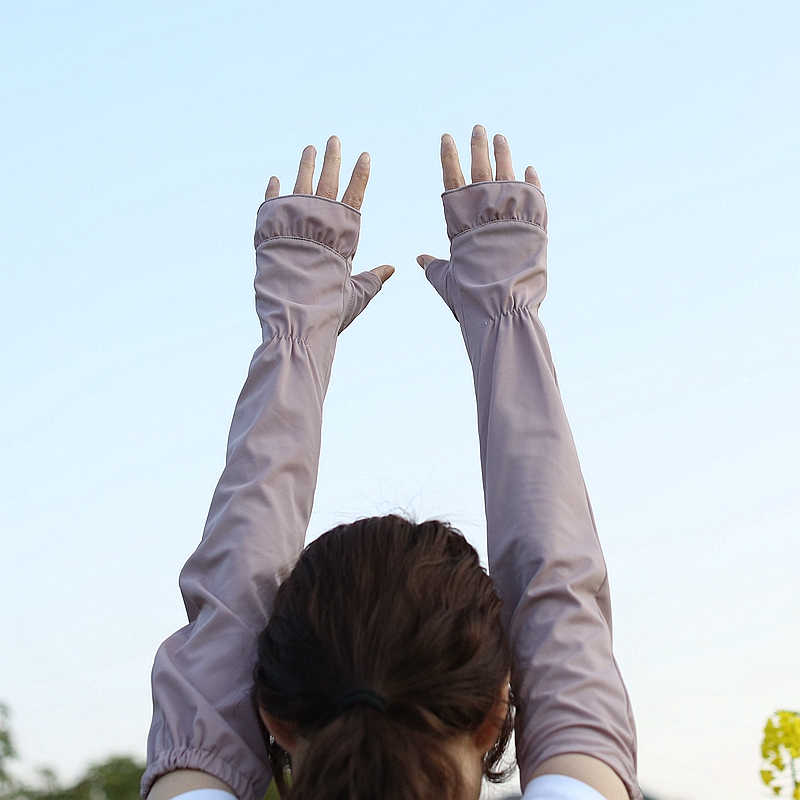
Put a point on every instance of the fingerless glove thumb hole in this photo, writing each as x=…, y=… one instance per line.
x=439, y=273
x=362, y=288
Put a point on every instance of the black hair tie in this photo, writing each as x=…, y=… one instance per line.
x=364, y=697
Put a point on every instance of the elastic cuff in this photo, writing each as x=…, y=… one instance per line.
x=476, y=204
x=316, y=219
x=203, y=761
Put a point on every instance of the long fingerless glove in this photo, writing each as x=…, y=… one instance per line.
x=203, y=715
x=544, y=554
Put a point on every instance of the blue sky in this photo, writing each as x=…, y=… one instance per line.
x=137, y=139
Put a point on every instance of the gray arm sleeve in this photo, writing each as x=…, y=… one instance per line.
x=544, y=553
x=203, y=715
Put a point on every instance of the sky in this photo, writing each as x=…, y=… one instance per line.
x=136, y=142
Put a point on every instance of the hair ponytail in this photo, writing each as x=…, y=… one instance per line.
x=366, y=754
x=385, y=642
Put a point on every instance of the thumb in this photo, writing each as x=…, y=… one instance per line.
x=363, y=287
x=384, y=272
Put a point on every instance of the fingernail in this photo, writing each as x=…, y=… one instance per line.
x=421, y=261
x=499, y=138
x=387, y=272
x=478, y=130
x=365, y=158
x=333, y=142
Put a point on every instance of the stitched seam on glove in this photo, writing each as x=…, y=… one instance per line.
x=493, y=221
x=345, y=317
x=302, y=239
x=371, y=274
x=447, y=297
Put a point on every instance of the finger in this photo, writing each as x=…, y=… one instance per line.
x=305, y=174
x=328, y=185
x=424, y=259
x=532, y=177
x=273, y=188
x=354, y=193
x=479, y=145
x=384, y=272
x=451, y=166
x=502, y=159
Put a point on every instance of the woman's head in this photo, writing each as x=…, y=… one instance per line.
x=406, y=612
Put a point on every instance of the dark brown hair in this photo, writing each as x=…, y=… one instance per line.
x=404, y=610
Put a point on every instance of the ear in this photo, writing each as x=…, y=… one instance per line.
x=487, y=733
x=283, y=731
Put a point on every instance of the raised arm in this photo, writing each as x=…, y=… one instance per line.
x=205, y=724
x=574, y=717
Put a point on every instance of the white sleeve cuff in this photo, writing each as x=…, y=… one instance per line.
x=553, y=787
x=205, y=794
x=545, y=787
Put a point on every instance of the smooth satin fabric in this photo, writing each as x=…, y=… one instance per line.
x=203, y=715
x=544, y=553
